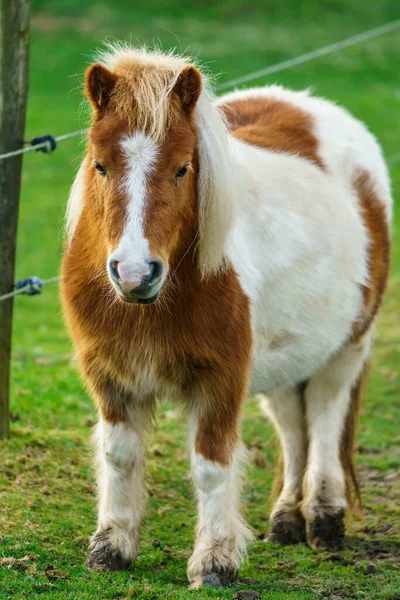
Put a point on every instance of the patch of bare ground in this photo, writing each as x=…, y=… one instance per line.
x=376, y=537
x=383, y=487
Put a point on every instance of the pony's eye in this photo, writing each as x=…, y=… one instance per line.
x=100, y=168
x=182, y=171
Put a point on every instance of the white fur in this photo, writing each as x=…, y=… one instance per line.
x=299, y=248
x=221, y=532
x=120, y=455
x=140, y=153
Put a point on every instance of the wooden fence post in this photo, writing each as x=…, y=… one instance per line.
x=14, y=65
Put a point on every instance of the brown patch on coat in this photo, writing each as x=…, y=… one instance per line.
x=375, y=219
x=170, y=217
x=273, y=124
x=282, y=339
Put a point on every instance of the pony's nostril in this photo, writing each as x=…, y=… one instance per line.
x=155, y=272
x=113, y=264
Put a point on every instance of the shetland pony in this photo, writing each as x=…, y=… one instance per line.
x=220, y=247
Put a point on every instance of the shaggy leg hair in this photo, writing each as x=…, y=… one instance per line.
x=120, y=463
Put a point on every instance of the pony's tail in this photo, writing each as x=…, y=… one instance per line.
x=347, y=447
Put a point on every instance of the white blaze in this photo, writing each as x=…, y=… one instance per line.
x=140, y=152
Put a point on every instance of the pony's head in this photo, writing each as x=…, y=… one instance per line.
x=156, y=168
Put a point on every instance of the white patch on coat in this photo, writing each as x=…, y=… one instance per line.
x=299, y=247
x=222, y=534
x=140, y=154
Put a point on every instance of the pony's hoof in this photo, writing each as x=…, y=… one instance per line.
x=220, y=579
x=215, y=579
x=327, y=530
x=109, y=559
x=287, y=528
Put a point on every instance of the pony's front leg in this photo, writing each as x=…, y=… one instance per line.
x=121, y=497
x=121, y=494
x=217, y=454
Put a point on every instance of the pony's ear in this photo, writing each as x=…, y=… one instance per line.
x=99, y=83
x=188, y=87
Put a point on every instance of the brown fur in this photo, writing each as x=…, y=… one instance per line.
x=273, y=124
x=375, y=219
x=119, y=344
x=99, y=83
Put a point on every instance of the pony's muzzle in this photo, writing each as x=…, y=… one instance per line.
x=137, y=282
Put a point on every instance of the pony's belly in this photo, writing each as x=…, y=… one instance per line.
x=285, y=367
x=292, y=342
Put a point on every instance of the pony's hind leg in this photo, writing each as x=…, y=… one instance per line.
x=217, y=454
x=286, y=411
x=330, y=420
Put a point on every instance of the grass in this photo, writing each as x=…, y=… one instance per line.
x=46, y=481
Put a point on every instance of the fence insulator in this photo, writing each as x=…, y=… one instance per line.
x=47, y=143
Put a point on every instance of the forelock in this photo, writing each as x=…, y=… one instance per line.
x=142, y=94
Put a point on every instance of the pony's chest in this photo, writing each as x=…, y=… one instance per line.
x=160, y=370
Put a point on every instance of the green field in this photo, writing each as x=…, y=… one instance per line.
x=47, y=492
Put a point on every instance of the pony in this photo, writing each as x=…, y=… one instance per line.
x=220, y=247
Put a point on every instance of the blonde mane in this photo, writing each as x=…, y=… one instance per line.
x=148, y=78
